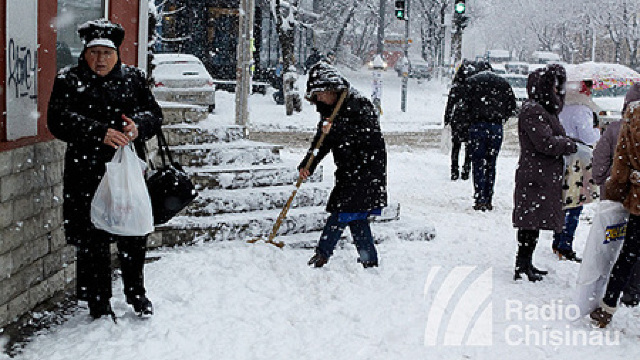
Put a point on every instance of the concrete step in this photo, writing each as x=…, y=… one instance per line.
x=213, y=202
x=185, y=134
x=245, y=226
x=238, y=152
x=176, y=113
x=242, y=177
x=382, y=233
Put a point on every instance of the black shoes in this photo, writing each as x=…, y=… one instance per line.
x=141, y=305
x=368, y=264
x=454, y=175
x=528, y=270
x=318, y=260
x=483, y=207
x=465, y=174
x=567, y=254
x=100, y=308
x=630, y=300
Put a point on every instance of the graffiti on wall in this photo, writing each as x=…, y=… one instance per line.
x=22, y=66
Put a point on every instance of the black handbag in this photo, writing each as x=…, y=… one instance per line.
x=170, y=187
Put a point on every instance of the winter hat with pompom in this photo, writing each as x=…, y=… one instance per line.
x=324, y=77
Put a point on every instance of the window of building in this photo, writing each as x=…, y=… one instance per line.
x=72, y=13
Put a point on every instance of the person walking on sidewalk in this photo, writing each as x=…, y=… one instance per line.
x=624, y=186
x=491, y=103
x=96, y=107
x=359, y=152
x=456, y=117
x=578, y=187
x=538, y=179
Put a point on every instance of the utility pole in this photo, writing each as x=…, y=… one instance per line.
x=244, y=62
x=380, y=48
x=459, y=23
x=403, y=13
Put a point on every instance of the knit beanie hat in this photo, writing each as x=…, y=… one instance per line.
x=324, y=77
x=101, y=32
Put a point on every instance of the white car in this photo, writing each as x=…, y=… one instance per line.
x=183, y=78
x=519, y=86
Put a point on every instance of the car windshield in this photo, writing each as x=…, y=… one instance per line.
x=517, y=82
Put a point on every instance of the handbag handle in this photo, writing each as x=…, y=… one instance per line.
x=163, y=148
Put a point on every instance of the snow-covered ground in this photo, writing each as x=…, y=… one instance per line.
x=239, y=301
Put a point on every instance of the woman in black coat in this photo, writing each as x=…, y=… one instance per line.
x=359, y=153
x=95, y=107
x=538, y=181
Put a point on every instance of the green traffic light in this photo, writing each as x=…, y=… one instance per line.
x=400, y=14
x=460, y=7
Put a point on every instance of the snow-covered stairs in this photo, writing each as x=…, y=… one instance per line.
x=243, y=185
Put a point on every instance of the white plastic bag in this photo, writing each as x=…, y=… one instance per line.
x=121, y=204
x=445, y=140
x=600, y=253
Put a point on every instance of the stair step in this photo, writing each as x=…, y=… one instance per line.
x=242, y=177
x=382, y=233
x=213, y=202
x=183, y=134
x=238, y=152
x=245, y=226
x=176, y=113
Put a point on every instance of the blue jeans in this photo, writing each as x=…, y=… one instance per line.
x=564, y=240
x=360, y=231
x=486, y=140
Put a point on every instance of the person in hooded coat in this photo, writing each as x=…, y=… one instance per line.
x=96, y=107
x=624, y=186
x=578, y=187
x=490, y=102
x=359, y=152
x=456, y=116
x=538, y=179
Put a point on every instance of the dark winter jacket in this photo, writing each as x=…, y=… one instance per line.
x=456, y=111
x=81, y=108
x=603, y=156
x=490, y=98
x=538, y=181
x=359, y=153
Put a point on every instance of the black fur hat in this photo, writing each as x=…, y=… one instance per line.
x=101, y=32
x=324, y=77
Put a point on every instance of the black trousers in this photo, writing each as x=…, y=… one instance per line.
x=456, y=144
x=622, y=269
x=93, y=266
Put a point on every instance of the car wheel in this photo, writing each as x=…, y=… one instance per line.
x=212, y=107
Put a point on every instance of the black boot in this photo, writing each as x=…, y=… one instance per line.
x=318, y=260
x=568, y=254
x=454, y=173
x=527, y=240
x=465, y=173
x=99, y=308
x=141, y=305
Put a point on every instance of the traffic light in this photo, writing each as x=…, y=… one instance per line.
x=400, y=10
x=460, y=7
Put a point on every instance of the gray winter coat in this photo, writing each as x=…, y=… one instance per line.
x=543, y=142
x=603, y=156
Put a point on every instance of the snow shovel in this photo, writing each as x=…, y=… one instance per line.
x=284, y=211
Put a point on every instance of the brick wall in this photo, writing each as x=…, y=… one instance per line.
x=35, y=262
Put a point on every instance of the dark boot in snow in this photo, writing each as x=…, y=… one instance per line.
x=368, y=264
x=141, y=305
x=602, y=315
x=526, y=245
x=454, y=174
x=568, y=254
x=465, y=173
x=318, y=260
x=99, y=308
x=630, y=300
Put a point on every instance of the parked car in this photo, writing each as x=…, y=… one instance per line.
x=183, y=78
x=419, y=69
x=519, y=86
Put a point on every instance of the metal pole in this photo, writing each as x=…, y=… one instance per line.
x=405, y=74
x=380, y=48
x=243, y=66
